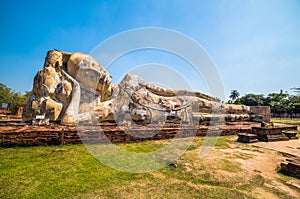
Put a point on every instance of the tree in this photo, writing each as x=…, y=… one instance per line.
x=252, y=100
x=234, y=95
x=294, y=99
x=279, y=102
x=5, y=94
x=13, y=98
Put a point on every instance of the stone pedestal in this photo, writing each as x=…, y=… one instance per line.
x=291, y=167
x=247, y=138
x=290, y=135
x=271, y=134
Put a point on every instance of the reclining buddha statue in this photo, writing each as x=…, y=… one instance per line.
x=74, y=87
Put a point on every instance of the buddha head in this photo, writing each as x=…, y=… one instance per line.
x=90, y=74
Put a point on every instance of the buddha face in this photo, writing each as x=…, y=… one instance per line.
x=91, y=75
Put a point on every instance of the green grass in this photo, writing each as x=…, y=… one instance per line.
x=54, y=172
x=70, y=171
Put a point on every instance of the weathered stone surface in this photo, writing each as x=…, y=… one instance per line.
x=291, y=167
x=247, y=138
x=270, y=134
x=73, y=87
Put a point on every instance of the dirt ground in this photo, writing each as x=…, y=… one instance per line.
x=266, y=159
x=291, y=147
x=260, y=159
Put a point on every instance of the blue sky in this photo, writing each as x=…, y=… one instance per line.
x=254, y=44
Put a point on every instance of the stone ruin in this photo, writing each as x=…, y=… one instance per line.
x=73, y=87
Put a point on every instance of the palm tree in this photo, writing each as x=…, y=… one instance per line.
x=234, y=95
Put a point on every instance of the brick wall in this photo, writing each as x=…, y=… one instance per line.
x=33, y=135
x=263, y=111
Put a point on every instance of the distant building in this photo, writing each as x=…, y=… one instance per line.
x=4, y=106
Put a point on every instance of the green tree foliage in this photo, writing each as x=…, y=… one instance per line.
x=252, y=100
x=13, y=98
x=4, y=93
x=279, y=103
